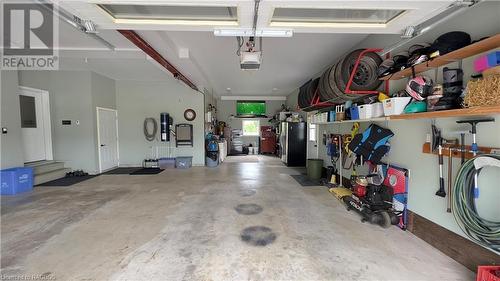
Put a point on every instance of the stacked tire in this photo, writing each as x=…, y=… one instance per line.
x=307, y=93
x=333, y=81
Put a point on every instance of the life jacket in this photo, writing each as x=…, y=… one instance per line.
x=372, y=143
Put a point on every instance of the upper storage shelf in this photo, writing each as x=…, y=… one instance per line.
x=464, y=112
x=465, y=52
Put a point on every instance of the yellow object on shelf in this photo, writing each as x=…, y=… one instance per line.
x=382, y=96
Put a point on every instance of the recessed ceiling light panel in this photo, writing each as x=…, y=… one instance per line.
x=170, y=14
x=308, y=17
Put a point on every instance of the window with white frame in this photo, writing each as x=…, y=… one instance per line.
x=312, y=132
x=250, y=127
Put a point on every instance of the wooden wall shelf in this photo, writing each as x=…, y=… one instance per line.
x=464, y=112
x=472, y=111
x=426, y=148
x=465, y=52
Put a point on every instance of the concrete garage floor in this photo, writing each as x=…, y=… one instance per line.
x=201, y=224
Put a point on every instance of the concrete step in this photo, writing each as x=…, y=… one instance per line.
x=45, y=166
x=50, y=176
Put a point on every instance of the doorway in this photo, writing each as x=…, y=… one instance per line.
x=107, y=138
x=35, y=124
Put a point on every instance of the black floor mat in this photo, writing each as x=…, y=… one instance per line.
x=304, y=180
x=67, y=181
x=122, y=171
x=237, y=154
x=147, y=171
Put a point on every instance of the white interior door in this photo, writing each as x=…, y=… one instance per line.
x=107, y=138
x=35, y=124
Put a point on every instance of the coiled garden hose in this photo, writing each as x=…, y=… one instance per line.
x=150, y=136
x=480, y=230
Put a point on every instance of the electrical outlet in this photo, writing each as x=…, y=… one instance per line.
x=428, y=138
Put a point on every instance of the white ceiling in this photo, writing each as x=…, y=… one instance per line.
x=212, y=62
x=287, y=62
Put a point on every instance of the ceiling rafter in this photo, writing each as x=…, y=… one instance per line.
x=137, y=40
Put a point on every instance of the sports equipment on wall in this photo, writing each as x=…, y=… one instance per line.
x=372, y=143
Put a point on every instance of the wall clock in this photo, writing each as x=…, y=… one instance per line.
x=189, y=114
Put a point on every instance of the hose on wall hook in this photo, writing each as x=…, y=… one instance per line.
x=150, y=136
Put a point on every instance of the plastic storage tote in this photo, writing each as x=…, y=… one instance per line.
x=368, y=111
x=183, y=162
x=16, y=180
x=395, y=106
x=166, y=163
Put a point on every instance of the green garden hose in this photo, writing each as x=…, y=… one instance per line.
x=480, y=230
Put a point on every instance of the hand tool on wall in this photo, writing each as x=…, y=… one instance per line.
x=474, y=146
x=437, y=143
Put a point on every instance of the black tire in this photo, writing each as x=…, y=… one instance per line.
x=302, y=99
x=338, y=86
x=311, y=90
x=385, y=220
x=324, y=90
x=366, y=78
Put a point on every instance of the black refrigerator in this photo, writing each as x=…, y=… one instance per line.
x=293, y=143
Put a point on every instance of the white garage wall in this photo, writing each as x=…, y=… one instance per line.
x=137, y=100
x=406, y=145
x=73, y=96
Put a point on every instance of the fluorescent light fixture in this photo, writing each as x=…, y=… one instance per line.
x=176, y=22
x=245, y=32
x=327, y=24
x=274, y=33
x=253, y=98
x=235, y=32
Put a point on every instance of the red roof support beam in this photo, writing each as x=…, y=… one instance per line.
x=133, y=37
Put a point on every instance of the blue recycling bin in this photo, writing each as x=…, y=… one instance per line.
x=16, y=180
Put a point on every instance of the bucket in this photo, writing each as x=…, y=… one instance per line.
x=314, y=167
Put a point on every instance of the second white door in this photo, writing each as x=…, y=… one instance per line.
x=35, y=124
x=107, y=138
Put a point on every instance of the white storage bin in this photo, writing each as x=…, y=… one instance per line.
x=367, y=111
x=324, y=117
x=363, y=111
x=377, y=110
x=395, y=106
